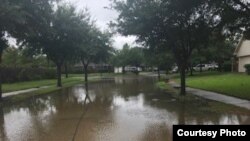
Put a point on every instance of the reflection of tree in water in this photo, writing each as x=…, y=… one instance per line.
x=199, y=111
x=103, y=94
x=2, y=129
x=133, y=87
x=156, y=132
x=47, y=112
x=194, y=112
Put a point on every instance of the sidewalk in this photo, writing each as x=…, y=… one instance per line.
x=216, y=96
x=23, y=91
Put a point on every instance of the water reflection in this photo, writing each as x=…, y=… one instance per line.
x=2, y=129
x=112, y=110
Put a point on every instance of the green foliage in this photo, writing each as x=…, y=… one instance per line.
x=162, y=59
x=234, y=16
x=178, y=25
x=133, y=56
x=95, y=48
x=227, y=66
x=9, y=87
x=247, y=66
x=17, y=74
x=13, y=57
x=163, y=85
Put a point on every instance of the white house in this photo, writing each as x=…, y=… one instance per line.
x=242, y=53
x=118, y=70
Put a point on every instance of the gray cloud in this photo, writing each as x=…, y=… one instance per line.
x=103, y=16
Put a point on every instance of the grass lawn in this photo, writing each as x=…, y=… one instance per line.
x=233, y=84
x=66, y=82
x=38, y=83
x=73, y=78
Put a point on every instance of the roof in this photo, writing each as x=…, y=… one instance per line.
x=239, y=45
x=243, y=48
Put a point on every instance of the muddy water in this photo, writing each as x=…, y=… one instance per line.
x=121, y=109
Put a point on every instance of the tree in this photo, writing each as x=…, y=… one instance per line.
x=159, y=58
x=94, y=47
x=123, y=57
x=220, y=50
x=3, y=45
x=20, y=19
x=180, y=25
x=59, y=37
x=233, y=15
x=133, y=56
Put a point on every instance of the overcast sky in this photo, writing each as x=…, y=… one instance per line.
x=103, y=16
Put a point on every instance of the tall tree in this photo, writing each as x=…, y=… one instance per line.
x=94, y=47
x=232, y=15
x=180, y=25
x=159, y=58
x=20, y=19
x=59, y=37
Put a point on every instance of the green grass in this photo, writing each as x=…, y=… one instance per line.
x=163, y=85
x=71, y=81
x=17, y=98
x=190, y=100
x=36, y=84
x=232, y=84
x=50, y=82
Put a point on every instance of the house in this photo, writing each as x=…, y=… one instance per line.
x=127, y=69
x=242, y=54
x=118, y=70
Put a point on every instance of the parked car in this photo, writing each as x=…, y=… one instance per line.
x=175, y=69
x=213, y=67
x=205, y=67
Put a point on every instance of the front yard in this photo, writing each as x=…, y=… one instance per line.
x=233, y=84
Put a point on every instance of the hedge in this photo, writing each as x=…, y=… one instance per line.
x=18, y=74
x=247, y=66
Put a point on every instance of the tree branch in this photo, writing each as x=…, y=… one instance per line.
x=242, y=5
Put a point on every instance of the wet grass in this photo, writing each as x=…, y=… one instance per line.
x=175, y=93
x=50, y=82
x=232, y=84
x=36, y=84
x=205, y=105
x=69, y=82
x=73, y=79
x=49, y=90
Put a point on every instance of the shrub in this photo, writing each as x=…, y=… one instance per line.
x=247, y=66
x=18, y=74
x=227, y=67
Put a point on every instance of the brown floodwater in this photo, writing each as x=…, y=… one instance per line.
x=119, y=109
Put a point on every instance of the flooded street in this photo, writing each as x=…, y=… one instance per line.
x=119, y=109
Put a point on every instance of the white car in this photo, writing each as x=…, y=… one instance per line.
x=175, y=69
x=205, y=67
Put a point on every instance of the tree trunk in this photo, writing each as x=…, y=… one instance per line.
x=219, y=66
x=181, y=114
x=183, y=81
x=59, y=74
x=86, y=73
x=2, y=128
x=123, y=69
x=191, y=70
x=0, y=76
x=200, y=67
x=66, y=70
x=159, y=75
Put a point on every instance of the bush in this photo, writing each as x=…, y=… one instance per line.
x=18, y=74
x=227, y=67
x=247, y=66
